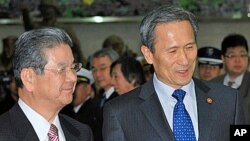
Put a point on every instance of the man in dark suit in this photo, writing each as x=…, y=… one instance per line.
x=236, y=60
x=45, y=74
x=155, y=111
x=100, y=63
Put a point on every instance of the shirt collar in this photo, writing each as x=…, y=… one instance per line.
x=237, y=81
x=109, y=92
x=39, y=123
x=162, y=87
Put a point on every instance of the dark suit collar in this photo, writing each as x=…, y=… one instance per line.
x=25, y=132
x=153, y=111
x=21, y=125
x=204, y=108
x=244, y=87
x=147, y=90
x=70, y=132
x=113, y=95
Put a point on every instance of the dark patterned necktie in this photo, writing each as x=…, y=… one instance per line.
x=182, y=124
x=53, y=133
x=102, y=101
x=230, y=83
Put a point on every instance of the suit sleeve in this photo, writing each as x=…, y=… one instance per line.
x=112, y=130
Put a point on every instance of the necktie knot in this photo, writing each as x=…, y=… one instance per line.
x=53, y=133
x=230, y=83
x=179, y=94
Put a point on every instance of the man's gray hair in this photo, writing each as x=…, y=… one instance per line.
x=30, y=49
x=110, y=53
x=163, y=14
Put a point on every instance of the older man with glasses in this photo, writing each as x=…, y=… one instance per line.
x=45, y=74
x=236, y=60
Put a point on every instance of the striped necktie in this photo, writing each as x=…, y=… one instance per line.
x=182, y=124
x=53, y=133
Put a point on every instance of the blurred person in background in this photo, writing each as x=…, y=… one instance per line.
x=7, y=53
x=6, y=72
x=127, y=74
x=80, y=108
x=116, y=43
x=235, y=57
x=210, y=63
x=101, y=61
x=148, y=69
x=9, y=89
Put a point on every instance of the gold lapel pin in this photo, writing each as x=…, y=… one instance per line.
x=209, y=100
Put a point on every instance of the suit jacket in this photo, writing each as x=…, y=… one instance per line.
x=244, y=92
x=138, y=115
x=83, y=115
x=97, y=117
x=14, y=126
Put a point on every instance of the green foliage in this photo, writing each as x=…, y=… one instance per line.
x=4, y=3
x=213, y=2
x=193, y=5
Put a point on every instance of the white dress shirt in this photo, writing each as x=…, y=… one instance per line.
x=237, y=81
x=164, y=93
x=39, y=123
x=109, y=92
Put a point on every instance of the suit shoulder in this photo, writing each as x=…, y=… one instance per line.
x=5, y=120
x=126, y=102
x=77, y=128
x=214, y=87
x=126, y=97
x=6, y=132
x=68, y=120
x=218, y=79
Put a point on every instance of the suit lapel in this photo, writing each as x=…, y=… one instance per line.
x=70, y=132
x=244, y=88
x=153, y=111
x=204, y=108
x=21, y=125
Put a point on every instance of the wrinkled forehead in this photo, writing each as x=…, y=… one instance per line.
x=60, y=54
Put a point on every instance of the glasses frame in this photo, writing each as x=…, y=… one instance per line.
x=62, y=71
x=234, y=56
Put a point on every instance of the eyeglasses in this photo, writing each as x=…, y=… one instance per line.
x=233, y=56
x=62, y=71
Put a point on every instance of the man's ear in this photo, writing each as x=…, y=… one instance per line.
x=147, y=54
x=27, y=77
